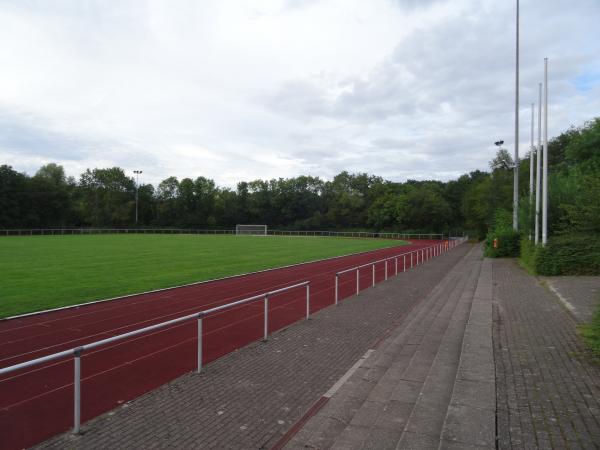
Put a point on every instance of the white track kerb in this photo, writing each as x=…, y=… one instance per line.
x=421, y=255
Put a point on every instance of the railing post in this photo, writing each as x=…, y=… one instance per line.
x=411, y=260
x=396, y=263
x=373, y=274
x=357, y=280
x=266, y=331
x=337, y=279
x=199, y=343
x=77, y=391
x=307, y=301
x=404, y=263
x=386, y=269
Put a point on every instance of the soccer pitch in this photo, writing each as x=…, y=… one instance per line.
x=43, y=272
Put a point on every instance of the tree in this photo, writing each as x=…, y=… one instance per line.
x=107, y=197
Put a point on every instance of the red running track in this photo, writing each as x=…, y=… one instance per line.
x=37, y=403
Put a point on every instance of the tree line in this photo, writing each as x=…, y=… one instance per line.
x=105, y=197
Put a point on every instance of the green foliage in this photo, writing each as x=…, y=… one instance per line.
x=528, y=255
x=577, y=254
x=507, y=240
x=591, y=333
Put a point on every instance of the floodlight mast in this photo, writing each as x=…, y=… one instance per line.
x=545, y=168
x=531, y=174
x=137, y=185
x=538, y=169
x=516, y=170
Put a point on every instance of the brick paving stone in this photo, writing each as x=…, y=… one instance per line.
x=249, y=398
x=548, y=387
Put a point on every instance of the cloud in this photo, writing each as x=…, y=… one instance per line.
x=237, y=91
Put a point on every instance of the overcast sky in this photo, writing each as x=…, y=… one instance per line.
x=238, y=90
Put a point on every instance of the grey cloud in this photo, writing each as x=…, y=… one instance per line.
x=31, y=137
x=414, y=4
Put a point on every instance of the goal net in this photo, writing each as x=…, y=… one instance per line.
x=255, y=230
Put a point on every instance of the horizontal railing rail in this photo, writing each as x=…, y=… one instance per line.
x=274, y=232
x=426, y=254
x=420, y=255
x=199, y=316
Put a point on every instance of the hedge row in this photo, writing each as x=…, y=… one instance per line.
x=577, y=254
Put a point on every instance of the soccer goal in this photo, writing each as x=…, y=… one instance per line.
x=254, y=230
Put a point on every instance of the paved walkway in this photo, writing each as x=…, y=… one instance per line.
x=461, y=353
x=430, y=384
x=580, y=295
x=250, y=398
x=548, y=389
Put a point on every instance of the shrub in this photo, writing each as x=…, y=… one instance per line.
x=577, y=254
x=528, y=255
x=507, y=239
x=508, y=243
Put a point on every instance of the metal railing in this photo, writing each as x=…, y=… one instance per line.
x=417, y=257
x=199, y=316
x=316, y=233
x=426, y=253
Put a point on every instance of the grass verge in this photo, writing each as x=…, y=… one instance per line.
x=591, y=333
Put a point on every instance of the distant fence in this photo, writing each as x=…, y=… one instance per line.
x=81, y=231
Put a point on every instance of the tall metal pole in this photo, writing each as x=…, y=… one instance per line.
x=137, y=184
x=545, y=174
x=531, y=163
x=516, y=174
x=538, y=170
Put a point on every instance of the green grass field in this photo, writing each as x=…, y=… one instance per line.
x=42, y=272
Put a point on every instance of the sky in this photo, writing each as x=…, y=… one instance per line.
x=238, y=90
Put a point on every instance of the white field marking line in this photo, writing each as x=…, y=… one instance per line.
x=339, y=383
x=79, y=305
x=329, y=393
x=154, y=333
x=164, y=316
x=117, y=344
x=568, y=304
x=129, y=362
x=113, y=331
x=133, y=313
x=137, y=323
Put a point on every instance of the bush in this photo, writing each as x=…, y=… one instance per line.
x=508, y=244
x=508, y=240
x=569, y=255
x=528, y=255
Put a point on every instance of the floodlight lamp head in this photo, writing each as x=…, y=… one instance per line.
x=498, y=143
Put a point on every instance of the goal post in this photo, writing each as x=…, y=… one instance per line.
x=253, y=230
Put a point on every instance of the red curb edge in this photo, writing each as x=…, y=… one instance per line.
x=314, y=409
